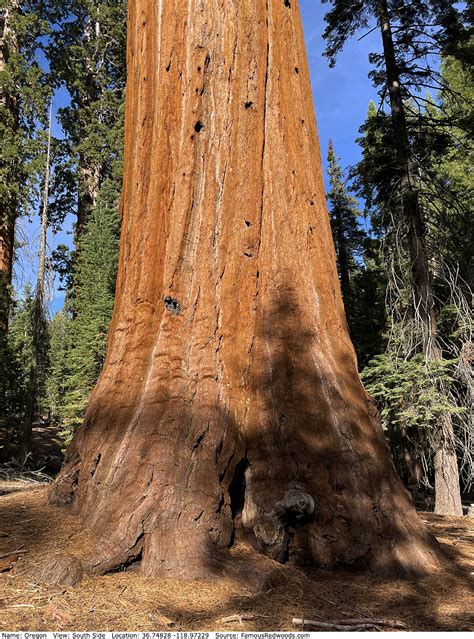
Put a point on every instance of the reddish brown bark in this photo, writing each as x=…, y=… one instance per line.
x=230, y=402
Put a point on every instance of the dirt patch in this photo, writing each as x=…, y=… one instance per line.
x=34, y=532
x=47, y=446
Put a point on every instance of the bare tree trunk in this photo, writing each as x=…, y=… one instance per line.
x=89, y=174
x=447, y=489
x=38, y=363
x=89, y=185
x=44, y=219
x=446, y=479
x=230, y=404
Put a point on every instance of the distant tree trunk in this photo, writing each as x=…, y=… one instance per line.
x=38, y=363
x=89, y=184
x=229, y=403
x=8, y=200
x=448, y=496
x=342, y=257
x=8, y=206
x=447, y=488
x=44, y=220
x=88, y=172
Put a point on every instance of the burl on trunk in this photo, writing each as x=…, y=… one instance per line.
x=230, y=404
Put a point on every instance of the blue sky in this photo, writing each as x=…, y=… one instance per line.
x=341, y=97
x=342, y=94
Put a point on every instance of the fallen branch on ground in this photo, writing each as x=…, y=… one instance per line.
x=241, y=618
x=13, y=552
x=349, y=624
x=391, y=623
x=20, y=475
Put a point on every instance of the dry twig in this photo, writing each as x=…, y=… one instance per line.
x=13, y=552
x=349, y=624
x=245, y=616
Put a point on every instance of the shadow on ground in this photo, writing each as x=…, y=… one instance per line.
x=126, y=600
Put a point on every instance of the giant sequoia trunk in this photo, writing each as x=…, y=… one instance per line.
x=230, y=404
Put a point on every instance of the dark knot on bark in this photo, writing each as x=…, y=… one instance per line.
x=172, y=305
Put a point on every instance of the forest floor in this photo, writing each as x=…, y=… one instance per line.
x=32, y=533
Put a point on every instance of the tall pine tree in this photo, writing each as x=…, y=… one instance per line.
x=87, y=55
x=410, y=34
x=347, y=233
x=86, y=51
x=24, y=95
x=358, y=261
x=89, y=314
x=414, y=394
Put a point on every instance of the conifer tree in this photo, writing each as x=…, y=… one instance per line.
x=362, y=282
x=86, y=51
x=87, y=328
x=347, y=233
x=409, y=34
x=20, y=352
x=58, y=355
x=414, y=394
x=24, y=93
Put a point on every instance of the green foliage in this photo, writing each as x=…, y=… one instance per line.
x=367, y=315
x=26, y=93
x=451, y=201
x=58, y=364
x=87, y=54
x=79, y=338
x=414, y=396
x=410, y=393
x=17, y=373
x=421, y=28
x=21, y=338
x=358, y=261
x=344, y=213
x=86, y=51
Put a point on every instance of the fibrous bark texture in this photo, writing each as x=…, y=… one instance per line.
x=447, y=489
x=230, y=405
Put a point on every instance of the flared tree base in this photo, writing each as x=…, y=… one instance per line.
x=176, y=513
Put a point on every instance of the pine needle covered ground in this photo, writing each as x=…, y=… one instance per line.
x=35, y=533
